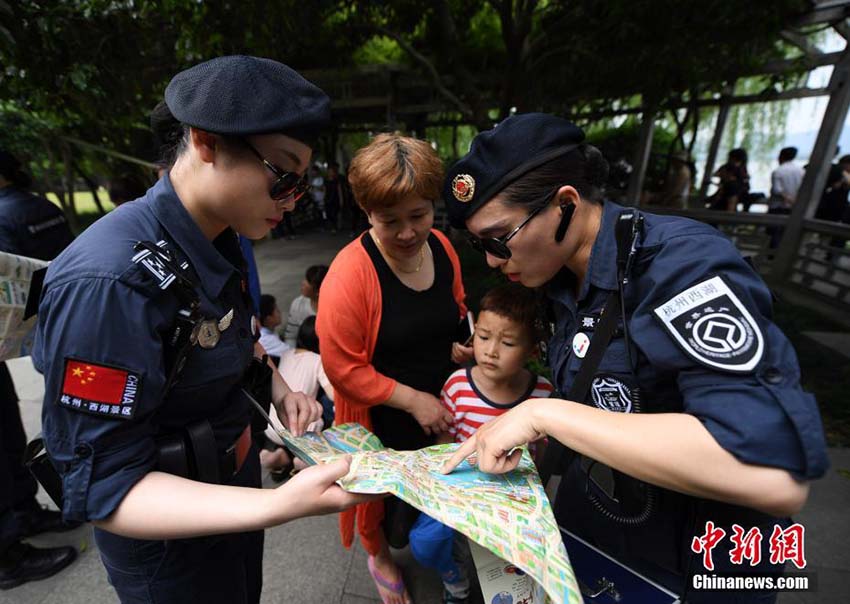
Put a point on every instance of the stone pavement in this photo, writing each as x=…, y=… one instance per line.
x=304, y=561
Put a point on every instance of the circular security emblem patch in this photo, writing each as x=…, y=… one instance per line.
x=713, y=327
x=463, y=187
x=580, y=344
x=611, y=393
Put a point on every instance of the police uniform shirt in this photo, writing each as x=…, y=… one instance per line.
x=703, y=341
x=99, y=344
x=31, y=226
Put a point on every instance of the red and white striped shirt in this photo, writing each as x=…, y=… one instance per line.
x=471, y=408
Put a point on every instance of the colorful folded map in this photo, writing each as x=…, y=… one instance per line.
x=508, y=514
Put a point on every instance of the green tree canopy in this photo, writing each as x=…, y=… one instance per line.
x=93, y=69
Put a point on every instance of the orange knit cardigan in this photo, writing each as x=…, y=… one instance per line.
x=347, y=324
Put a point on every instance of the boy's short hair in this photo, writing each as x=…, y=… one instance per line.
x=517, y=303
x=267, y=305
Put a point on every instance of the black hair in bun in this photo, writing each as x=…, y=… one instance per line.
x=595, y=168
x=584, y=168
x=169, y=134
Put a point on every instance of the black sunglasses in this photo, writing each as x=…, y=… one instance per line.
x=288, y=184
x=498, y=246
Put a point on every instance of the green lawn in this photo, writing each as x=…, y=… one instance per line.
x=87, y=211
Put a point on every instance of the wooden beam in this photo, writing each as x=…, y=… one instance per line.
x=719, y=127
x=824, y=12
x=746, y=99
x=820, y=162
x=110, y=152
x=798, y=63
x=800, y=42
x=360, y=102
x=843, y=29
x=641, y=161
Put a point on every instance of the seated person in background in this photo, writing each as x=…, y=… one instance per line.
x=269, y=319
x=506, y=337
x=302, y=367
x=305, y=305
x=677, y=182
x=734, y=183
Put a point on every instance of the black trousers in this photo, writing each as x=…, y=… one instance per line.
x=225, y=569
x=17, y=486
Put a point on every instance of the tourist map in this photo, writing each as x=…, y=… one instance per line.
x=15, y=276
x=508, y=514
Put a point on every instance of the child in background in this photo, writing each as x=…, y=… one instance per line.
x=269, y=319
x=506, y=337
x=306, y=304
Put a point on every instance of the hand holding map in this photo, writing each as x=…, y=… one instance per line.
x=508, y=514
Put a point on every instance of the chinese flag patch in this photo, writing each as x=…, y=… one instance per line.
x=100, y=390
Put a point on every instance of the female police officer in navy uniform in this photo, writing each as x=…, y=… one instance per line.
x=696, y=400
x=116, y=410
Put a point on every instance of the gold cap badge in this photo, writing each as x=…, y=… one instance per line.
x=463, y=187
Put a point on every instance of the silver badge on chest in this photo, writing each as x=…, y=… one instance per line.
x=208, y=332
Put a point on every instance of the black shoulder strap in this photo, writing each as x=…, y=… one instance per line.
x=173, y=276
x=558, y=457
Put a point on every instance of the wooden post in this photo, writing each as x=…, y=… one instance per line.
x=641, y=160
x=820, y=161
x=714, y=147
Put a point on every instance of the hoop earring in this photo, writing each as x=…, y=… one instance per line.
x=566, y=216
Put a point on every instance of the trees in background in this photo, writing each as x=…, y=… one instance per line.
x=91, y=70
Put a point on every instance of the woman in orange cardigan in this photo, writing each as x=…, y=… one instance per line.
x=389, y=314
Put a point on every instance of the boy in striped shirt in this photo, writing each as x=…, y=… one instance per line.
x=505, y=338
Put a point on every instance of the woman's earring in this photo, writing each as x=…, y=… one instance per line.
x=566, y=215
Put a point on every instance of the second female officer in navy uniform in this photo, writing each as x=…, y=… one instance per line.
x=152, y=439
x=695, y=402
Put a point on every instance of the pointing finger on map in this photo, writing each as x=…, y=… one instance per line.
x=463, y=451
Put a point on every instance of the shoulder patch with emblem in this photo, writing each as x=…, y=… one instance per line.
x=156, y=260
x=610, y=393
x=99, y=389
x=713, y=327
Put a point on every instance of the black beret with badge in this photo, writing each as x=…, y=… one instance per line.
x=499, y=156
x=241, y=95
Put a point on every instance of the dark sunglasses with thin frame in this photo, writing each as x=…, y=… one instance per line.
x=498, y=246
x=288, y=184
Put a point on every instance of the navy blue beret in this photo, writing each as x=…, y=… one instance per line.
x=241, y=95
x=499, y=156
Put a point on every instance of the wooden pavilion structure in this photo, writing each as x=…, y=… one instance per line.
x=804, y=268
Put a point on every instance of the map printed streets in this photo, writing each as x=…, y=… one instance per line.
x=16, y=273
x=509, y=514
